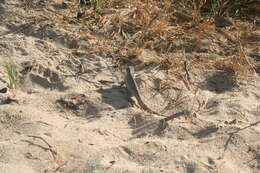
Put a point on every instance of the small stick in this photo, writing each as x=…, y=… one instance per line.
x=251, y=125
x=54, y=153
x=187, y=71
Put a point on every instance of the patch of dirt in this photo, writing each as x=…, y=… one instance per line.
x=80, y=104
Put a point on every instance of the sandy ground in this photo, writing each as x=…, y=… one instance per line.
x=67, y=123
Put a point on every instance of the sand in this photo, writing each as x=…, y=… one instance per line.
x=62, y=122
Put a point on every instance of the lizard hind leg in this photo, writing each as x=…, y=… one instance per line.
x=131, y=102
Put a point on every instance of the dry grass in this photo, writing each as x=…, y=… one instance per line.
x=124, y=29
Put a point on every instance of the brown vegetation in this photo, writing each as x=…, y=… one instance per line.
x=166, y=30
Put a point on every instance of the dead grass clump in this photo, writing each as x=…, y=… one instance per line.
x=124, y=29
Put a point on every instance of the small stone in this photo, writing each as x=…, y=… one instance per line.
x=221, y=21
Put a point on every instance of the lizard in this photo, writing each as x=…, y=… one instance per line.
x=133, y=91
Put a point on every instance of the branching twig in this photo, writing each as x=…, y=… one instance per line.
x=156, y=123
x=53, y=152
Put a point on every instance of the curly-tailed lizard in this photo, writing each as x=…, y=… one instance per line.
x=133, y=91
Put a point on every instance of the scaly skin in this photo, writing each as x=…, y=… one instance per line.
x=133, y=91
